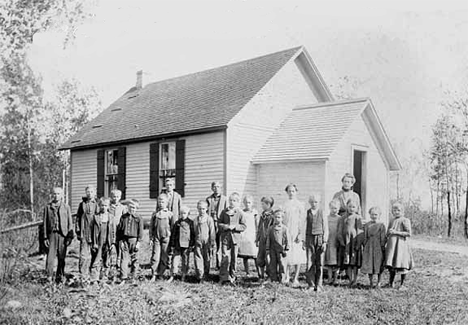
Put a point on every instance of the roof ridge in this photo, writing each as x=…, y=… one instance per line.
x=293, y=49
x=328, y=104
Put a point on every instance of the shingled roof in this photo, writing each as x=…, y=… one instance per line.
x=205, y=100
x=313, y=133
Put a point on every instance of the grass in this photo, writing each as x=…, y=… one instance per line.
x=437, y=294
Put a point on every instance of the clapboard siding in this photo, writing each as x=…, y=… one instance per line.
x=249, y=130
x=377, y=175
x=273, y=178
x=204, y=163
x=137, y=177
x=83, y=173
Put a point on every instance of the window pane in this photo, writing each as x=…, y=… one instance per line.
x=111, y=162
x=167, y=153
x=172, y=155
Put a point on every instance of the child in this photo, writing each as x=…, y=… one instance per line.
x=161, y=224
x=398, y=256
x=331, y=254
x=174, y=200
x=265, y=222
x=374, y=247
x=205, y=240
x=116, y=211
x=86, y=211
x=58, y=234
x=294, y=220
x=352, y=228
x=217, y=202
x=316, y=242
x=277, y=247
x=182, y=242
x=347, y=193
x=231, y=223
x=130, y=235
x=103, y=240
x=247, y=248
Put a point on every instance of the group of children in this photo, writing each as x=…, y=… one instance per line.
x=279, y=240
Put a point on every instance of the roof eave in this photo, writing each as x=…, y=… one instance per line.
x=392, y=161
x=279, y=161
x=144, y=139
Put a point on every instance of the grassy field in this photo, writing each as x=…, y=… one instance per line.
x=437, y=294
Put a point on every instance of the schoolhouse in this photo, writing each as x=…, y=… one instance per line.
x=255, y=125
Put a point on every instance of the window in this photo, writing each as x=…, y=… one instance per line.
x=112, y=171
x=167, y=154
x=167, y=161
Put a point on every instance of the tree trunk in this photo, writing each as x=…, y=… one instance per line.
x=466, y=211
x=432, y=197
x=31, y=176
x=449, y=230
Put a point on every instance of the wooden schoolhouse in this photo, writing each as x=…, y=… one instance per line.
x=255, y=126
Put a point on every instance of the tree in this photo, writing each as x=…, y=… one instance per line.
x=21, y=96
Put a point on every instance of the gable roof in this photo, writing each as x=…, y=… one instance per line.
x=313, y=132
x=197, y=102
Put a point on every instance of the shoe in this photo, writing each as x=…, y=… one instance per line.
x=296, y=284
x=402, y=288
x=170, y=279
x=319, y=288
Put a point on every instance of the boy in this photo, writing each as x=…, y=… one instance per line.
x=216, y=204
x=231, y=223
x=181, y=242
x=86, y=211
x=277, y=246
x=130, y=234
x=116, y=211
x=160, y=234
x=174, y=200
x=103, y=239
x=205, y=240
x=265, y=222
x=58, y=234
x=316, y=243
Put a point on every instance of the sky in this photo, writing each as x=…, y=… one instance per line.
x=404, y=55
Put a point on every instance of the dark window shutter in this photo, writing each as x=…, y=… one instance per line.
x=100, y=172
x=154, y=170
x=180, y=167
x=122, y=163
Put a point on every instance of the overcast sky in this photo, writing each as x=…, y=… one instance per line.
x=401, y=54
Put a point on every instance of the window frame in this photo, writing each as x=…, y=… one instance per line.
x=114, y=175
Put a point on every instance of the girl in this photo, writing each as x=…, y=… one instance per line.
x=247, y=248
x=398, y=256
x=352, y=230
x=294, y=220
x=346, y=194
x=331, y=254
x=374, y=247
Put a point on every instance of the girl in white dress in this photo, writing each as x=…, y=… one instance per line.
x=247, y=248
x=294, y=220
